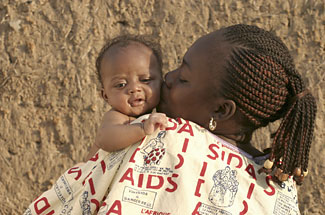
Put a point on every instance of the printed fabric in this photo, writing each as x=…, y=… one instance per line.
x=183, y=170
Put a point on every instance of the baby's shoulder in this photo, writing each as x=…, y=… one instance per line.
x=116, y=116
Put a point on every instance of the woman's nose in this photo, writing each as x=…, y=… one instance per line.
x=169, y=78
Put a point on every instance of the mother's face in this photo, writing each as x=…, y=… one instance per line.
x=192, y=90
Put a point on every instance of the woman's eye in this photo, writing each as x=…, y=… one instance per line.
x=182, y=80
x=120, y=85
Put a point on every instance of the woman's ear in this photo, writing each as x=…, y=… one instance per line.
x=225, y=110
x=104, y=95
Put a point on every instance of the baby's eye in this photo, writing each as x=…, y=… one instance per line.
x=120, y=85
x=145, y=80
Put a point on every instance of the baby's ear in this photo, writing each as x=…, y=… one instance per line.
x=226, y=110
x=104, y=95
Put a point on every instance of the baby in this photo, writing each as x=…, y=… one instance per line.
x=129, y=70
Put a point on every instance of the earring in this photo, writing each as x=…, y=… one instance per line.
x=212, y=124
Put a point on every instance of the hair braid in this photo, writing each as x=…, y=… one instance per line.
x=262, y=80
x=254, y=86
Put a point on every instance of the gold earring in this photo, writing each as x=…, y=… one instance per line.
x=212, y=124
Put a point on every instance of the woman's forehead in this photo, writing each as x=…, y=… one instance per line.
x=210, y=50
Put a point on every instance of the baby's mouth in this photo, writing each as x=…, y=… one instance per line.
x=136, y=102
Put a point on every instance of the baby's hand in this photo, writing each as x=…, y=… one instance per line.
x=155, y=121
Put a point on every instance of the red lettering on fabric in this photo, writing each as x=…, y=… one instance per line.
x=133, y=155
x=181, y=161
x=84, y=181
x=185, y=144
x=117, y=210
x=44, y=206
x=211, y=147
x=250, y=170
x=272, y=192
x=172, y=127
x=169, y=179
x=126, y=177
x=250, y=190
x=147, y=211
x=186, y=128
x=74, y=170
x=244, y=211
x=140, y=180
x=223, y=155
x=196, y=210
x=160, y=182
x=96, y=203
x=204, y=168
x=95, y=157
x=240, y=161
x=104, y=203
x=198, y=187
x=179, y=121
x=92, y=187
x=103, y=164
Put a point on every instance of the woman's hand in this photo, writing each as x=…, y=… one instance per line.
x=155, y=121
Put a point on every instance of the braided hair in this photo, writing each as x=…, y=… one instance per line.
x=124, y=41
x=263, y=82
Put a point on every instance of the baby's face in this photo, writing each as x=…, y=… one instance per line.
x=131, y=79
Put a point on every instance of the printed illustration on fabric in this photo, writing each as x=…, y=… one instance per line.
x=85, y=204
x=154, y=151
x=286, y=202
x=225, y=187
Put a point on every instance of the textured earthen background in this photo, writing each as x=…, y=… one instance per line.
x=49, y=99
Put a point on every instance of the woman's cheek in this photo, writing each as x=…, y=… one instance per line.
x=174, y=98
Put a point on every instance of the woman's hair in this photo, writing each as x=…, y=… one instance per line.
x=262, y=80
x=123, y=41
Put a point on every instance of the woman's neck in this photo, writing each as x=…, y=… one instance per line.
x=243, y=143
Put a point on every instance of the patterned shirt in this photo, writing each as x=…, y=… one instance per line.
x=183, y=170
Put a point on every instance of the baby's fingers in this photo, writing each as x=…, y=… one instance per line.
x=160, y=119
x=163, y=123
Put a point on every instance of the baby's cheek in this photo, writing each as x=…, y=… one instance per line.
x=153, y=90
x=153, y=95
x=148, y=91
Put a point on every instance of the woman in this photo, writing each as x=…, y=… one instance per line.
x=230, y=83
x=250, y=81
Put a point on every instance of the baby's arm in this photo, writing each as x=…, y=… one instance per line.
x=115, y=133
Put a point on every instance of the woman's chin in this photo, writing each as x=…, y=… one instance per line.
x=163, y=108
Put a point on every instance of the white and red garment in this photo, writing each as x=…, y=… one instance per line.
x=183, y=170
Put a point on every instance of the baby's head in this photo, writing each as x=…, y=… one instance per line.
x=129, y=70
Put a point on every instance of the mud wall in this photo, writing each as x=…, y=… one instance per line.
x=49, y=99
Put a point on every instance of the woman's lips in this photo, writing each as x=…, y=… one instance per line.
x=164, y=94
x=162, y=106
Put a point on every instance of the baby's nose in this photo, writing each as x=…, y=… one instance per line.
x=133, y=88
